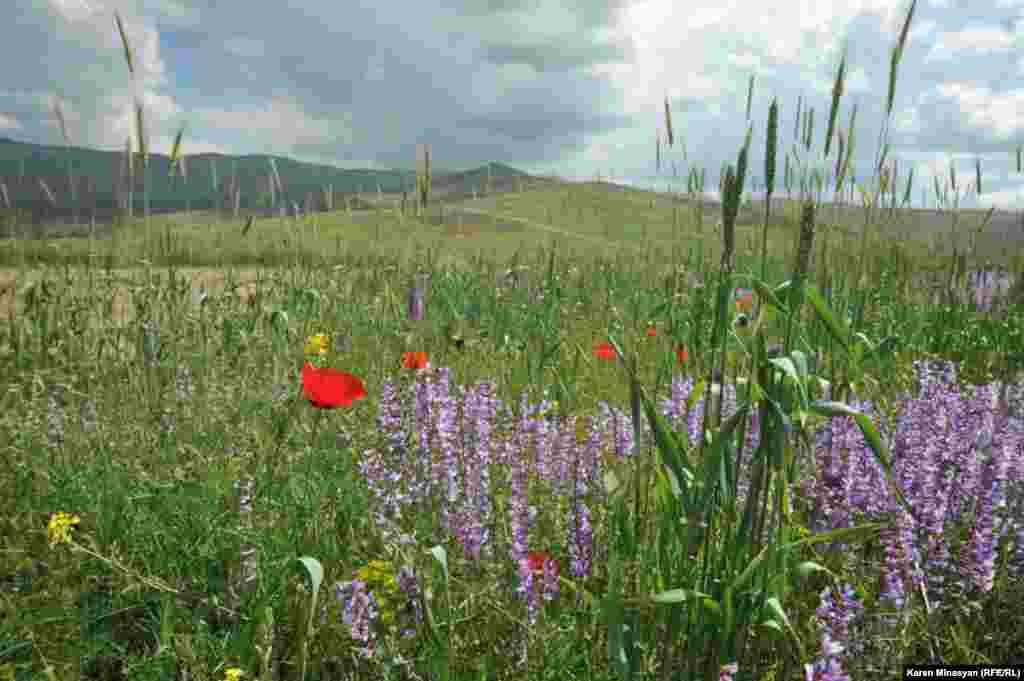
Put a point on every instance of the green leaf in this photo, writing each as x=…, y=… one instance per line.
x=441, y=556
x=800, y=361
x=315, y=571
x=836, y=329
x=316, y=576
x=771, y=296
x=660, y=308
x=611, y=482
x=775, y=607
x=786, y=364
x=671, y=451
x=807, y=567
x=843, y=534
x=673, y=596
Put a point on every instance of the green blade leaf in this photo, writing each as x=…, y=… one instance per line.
x=836, y=329
x=441, y=556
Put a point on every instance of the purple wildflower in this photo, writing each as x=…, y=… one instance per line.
x=359, y=611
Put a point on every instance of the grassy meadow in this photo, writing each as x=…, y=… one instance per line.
x=548, y=431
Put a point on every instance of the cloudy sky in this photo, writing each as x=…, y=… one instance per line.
x=568, y=88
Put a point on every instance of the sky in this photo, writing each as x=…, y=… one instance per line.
x=569, y=89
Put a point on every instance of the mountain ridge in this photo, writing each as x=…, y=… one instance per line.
x=99, y=180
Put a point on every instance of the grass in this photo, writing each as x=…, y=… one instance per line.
x=689, y=510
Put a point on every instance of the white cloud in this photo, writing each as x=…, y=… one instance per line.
x=1003, y=114
x=9, y=122
x=281, y=120
x=570, y=88
x=75, y=10
x=973, y=40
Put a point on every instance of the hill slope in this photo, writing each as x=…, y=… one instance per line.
x=99, y=177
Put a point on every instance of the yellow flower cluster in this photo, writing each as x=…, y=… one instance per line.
x=380, y=579
x=317, y=344
x=60, y=526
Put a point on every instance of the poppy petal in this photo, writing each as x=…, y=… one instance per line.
x=536, y=560
x=327, y=388
x=414, y=360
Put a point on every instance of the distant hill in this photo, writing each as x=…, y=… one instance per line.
x=98, y=176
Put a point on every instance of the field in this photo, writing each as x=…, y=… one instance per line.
x=550, y=430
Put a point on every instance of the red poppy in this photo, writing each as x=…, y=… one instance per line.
x=328, y=388
x=414, y=360
x=652, y=331
x=537, y=559
x=605, y=351
x=682, y=355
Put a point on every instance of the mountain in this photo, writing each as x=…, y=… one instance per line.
x=98, y=177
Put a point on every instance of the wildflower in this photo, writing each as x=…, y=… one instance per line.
x=183, y=385
x=379, y=578
x=519, y=486
x=682, y=355
x=742, y=324
x=167, y=423
x=839, y=609
x=549, y=581
x=415, y=360
x=604, y=351
x=55, y=418
x=89, y=416
x=983, y=296
x=408, y=585
x=728, y=671
x=652, y=331
x=317, y=344
x=473, y=523
x=744, y=300
x=151, y=342
x=978, y=556
x=538, y=565
x=233, y=674
x=825, y=669
x=537, y=561
x=359, y=610
x=328, y=388
x=416, y=303
x=249, y=558
x=581, y=540
x=891, y=580
x=60, y=526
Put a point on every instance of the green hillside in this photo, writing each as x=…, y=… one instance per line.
x=99, y=174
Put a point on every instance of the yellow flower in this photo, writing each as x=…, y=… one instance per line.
x=380, y=579
x=317, y=344
x=59, y=527
x=233, y=674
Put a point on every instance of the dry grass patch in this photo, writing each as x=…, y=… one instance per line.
x=14, y=285
x=462, y=230
x=8, y=294
x=215, y=281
